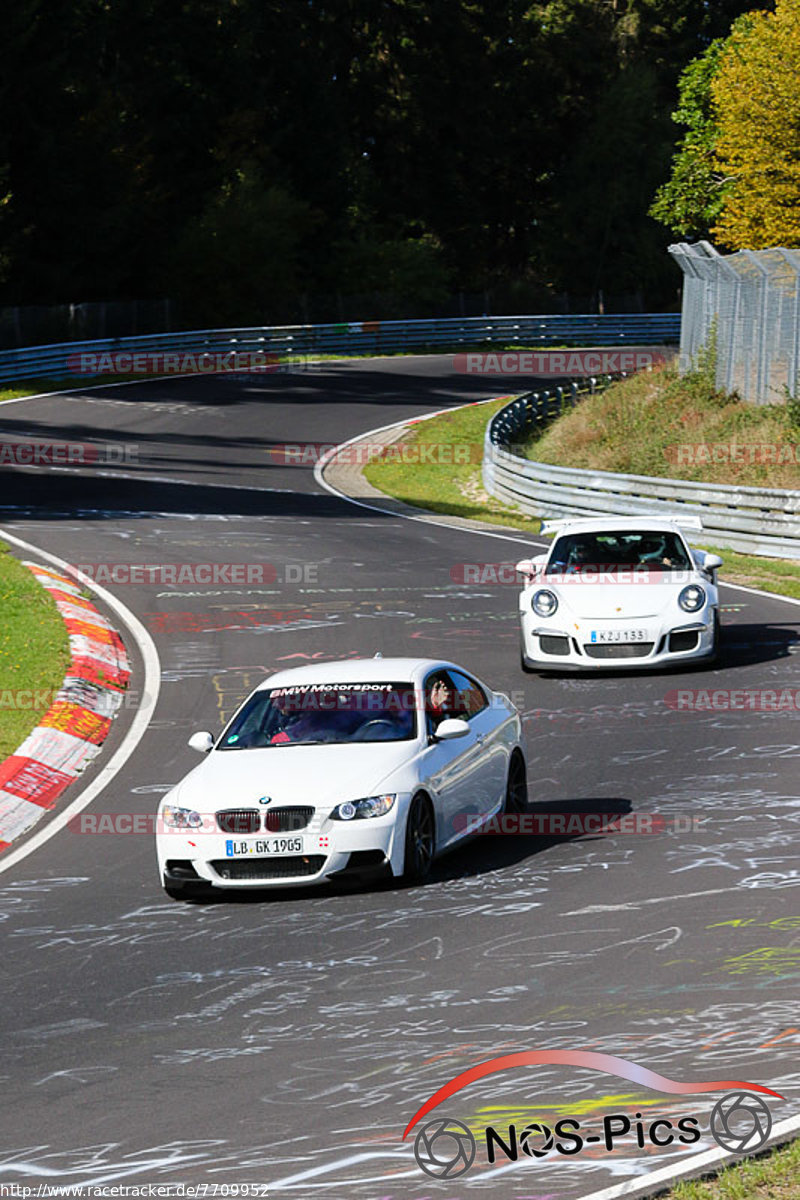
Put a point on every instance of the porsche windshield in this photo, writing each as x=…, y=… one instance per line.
x=658, y=550
x=325, y=713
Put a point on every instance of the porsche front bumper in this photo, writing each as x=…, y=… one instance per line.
x=592, y=645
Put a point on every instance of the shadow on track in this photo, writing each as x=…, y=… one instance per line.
x=70, y=497
x=740, y=646
x=480, y=856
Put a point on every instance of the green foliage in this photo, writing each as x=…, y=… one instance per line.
x=700, y=383
x=652, y=424
x=460, y=145
x=736, y=174
x=757, y=100
x=410, y=269
x=240, y=256
x=691, y=200
x=792, y=407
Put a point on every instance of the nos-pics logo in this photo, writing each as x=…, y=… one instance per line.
x=445, y=1148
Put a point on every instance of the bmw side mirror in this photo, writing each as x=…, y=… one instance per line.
x=451, y=727
x=202, y=742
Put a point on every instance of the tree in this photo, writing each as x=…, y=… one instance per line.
x=238, y=260
x=617, y=65
x=462, y=144
x=757, y=100
x=690, y=202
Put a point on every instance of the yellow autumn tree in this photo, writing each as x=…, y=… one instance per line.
x=757, y=100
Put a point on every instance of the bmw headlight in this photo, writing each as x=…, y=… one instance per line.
x=544, y=603
x=181, y=818
x=370, y=806
x=692, y=598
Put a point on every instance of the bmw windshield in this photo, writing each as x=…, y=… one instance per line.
x=325, y=713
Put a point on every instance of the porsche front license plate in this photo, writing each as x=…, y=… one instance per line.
x=619, y=635
x=264, y=846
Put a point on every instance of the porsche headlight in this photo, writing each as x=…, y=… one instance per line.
x=544, y=603
x=692, y=598
x=181, y=818
x=370, y=806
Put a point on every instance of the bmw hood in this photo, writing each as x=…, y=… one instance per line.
x=318, y=775
x=604, y=601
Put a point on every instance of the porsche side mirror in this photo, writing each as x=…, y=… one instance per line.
x=530, y=567
x=712, y=562
x=451, y=727
x=202, y=742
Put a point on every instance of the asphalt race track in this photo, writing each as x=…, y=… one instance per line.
x=286, y=1039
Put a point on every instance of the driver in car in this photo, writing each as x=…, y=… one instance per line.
x=654, y=552
x=441, y=701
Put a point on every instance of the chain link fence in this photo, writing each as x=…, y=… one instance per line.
x=745, y=309
x=39, y=324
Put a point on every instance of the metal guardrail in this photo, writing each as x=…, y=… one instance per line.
x=754, y=520
x=362, y=337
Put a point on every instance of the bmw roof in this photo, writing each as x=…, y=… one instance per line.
x=358, y=670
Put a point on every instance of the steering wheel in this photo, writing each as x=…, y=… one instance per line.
x=377, y=722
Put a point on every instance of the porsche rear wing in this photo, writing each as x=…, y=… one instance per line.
x=560, y=524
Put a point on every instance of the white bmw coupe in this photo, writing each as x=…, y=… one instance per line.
x=619, y=592
x=363, y=768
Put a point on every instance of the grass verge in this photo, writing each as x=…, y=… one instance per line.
x=34, y=651
x=457, y=490
x=454, y=488
x=773, y=1177
x=664, y=424
x=35, y=387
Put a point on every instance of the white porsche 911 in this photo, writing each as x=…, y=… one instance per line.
x=619, y=592
x=363, y=768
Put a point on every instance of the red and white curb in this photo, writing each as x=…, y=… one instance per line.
x=77, y=723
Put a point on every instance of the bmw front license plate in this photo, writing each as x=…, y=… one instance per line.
x=264, y=846
x=619, y=635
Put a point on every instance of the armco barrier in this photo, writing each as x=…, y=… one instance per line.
x=364, y=337
x=754, y=520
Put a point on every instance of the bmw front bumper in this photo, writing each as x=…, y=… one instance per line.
x=359, y=849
